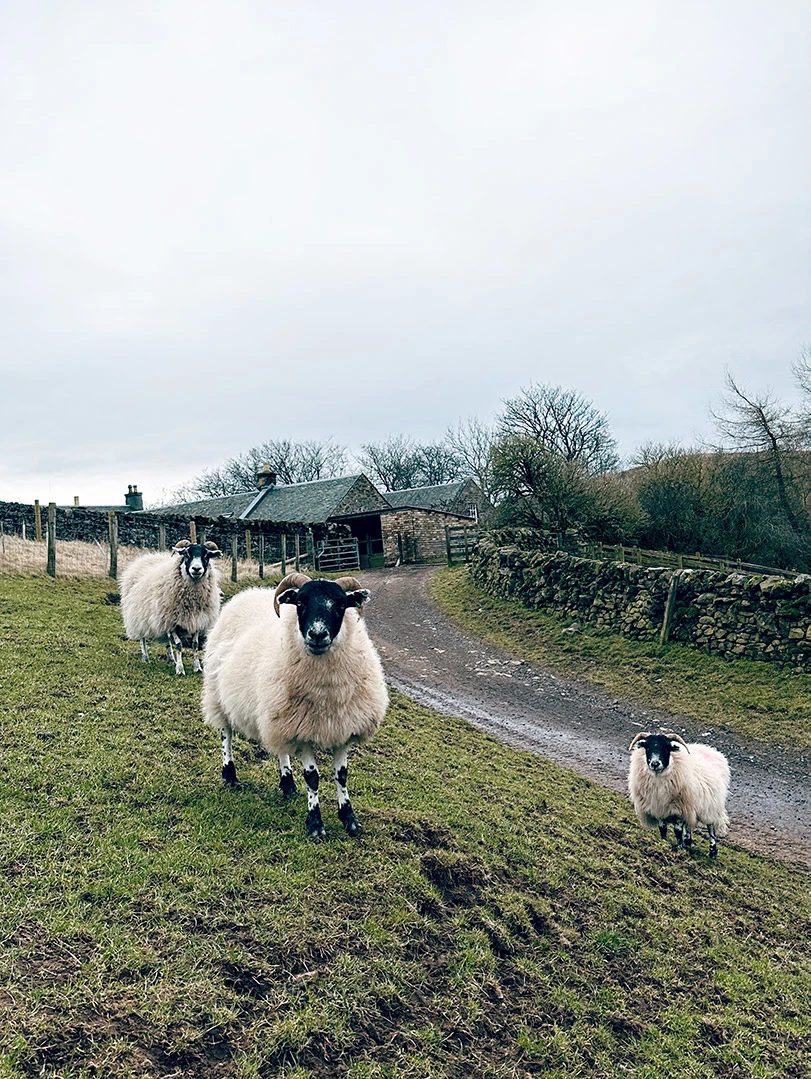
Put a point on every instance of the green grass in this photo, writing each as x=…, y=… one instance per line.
x=499, y=917
x=757, y=700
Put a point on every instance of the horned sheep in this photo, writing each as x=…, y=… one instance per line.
x=671, y=781
x=167, y=595
x=295, y=670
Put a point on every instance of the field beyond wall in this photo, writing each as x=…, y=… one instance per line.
x=500, y=917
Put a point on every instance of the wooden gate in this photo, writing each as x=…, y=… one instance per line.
x=460, y=541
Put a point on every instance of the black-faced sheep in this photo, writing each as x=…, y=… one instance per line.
x=673, y=782
x=295, y=670
x=167, y=595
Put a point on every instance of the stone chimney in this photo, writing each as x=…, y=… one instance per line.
x=76, y=501
x=133, y=498
x=265, y=477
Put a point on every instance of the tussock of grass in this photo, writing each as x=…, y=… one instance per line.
x=757, y=700
x=499, y=917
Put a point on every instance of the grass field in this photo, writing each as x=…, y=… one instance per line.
x=756, y=699
x=500, y=917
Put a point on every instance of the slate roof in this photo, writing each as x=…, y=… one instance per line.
x=306, y=503
x=440, y=497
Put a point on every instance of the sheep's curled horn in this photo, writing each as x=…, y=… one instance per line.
x=681, y=741
x=638, y=738
x=298, y=580
x=645, y=734
x=181, y=545
x=292, y=580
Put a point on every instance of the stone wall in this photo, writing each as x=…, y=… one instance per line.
x=729, y=614
x=416, y=535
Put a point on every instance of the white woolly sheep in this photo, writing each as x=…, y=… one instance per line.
x=295, y=670
x=673, y=782
x=166, y=595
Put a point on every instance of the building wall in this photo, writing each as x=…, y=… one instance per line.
x=416, y=535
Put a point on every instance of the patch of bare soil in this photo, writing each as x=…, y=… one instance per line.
x=432, y=661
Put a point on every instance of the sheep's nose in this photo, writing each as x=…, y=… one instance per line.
x=318, y=640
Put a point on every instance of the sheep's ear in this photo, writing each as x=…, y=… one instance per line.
x=678, y=744
x=288, y=596
x=213, y=549
x=358, y=597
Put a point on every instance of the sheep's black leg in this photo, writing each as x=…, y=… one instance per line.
x=175, y=636
x=170, y=652
x=197, y=666
x=144, y=650
x=286, y=782
x=713, y=841
x=678, y=828
x=688, y=836
x=345, y=812
x=315, y=825
x=229, y=772
x=663, y=830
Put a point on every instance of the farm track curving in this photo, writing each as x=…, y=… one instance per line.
x=574, y=724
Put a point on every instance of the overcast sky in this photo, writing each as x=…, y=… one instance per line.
x=224, y=223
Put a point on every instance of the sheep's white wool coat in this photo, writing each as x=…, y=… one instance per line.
x=261, y=680
x=156, y=597
x=694, y=787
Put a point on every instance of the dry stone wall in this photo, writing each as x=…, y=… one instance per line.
x=733, y=615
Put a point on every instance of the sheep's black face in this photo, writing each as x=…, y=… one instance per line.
x=321, y=606
x=658, y=748
x=195, y=559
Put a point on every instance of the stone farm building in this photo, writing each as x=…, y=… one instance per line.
x=398, y=526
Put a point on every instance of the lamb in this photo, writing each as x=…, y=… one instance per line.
x=296, y=671
x=168, y=594
x=673, y=782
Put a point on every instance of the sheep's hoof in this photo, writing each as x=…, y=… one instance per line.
x=229, y=774
x=349, y=820
x=315, y=825
x=287, y=785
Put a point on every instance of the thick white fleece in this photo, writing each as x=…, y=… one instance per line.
x=156, y=597
x=693, y=786
x=262, y=681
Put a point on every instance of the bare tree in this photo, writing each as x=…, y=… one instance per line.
x=564, y=424
x=762, y=425
x=293, y=462
x=394, y=464
x=437, y=464
x=472, y=442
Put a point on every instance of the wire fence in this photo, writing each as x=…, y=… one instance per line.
x=85, y=543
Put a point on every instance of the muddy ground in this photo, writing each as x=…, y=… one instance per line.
x=574, y=724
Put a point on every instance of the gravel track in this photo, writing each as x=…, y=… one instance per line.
x=574, y=724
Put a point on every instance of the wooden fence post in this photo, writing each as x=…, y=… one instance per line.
x=38, y=520
x=161, y=537
x=193, y=530
x=234, y=551
x=51, y=539
x=261, y=555
x=112, y=533
x=447, y=545
x=284, y=554
x=669, y=606
x=298, y=552
x=248, y=544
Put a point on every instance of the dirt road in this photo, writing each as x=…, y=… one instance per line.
x=573, y=724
